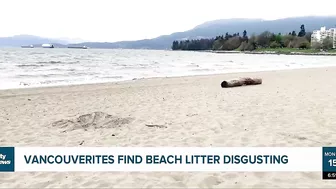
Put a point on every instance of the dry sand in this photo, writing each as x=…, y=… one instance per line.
x=291, y=108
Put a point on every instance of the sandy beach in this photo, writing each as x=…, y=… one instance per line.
x=293, y=108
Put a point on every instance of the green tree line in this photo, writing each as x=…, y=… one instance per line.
x=235, y=41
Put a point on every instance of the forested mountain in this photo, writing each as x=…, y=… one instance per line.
x=221, y=27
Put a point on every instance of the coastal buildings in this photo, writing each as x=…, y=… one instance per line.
x=319, y=35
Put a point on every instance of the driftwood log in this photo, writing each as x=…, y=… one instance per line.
x=241, y=82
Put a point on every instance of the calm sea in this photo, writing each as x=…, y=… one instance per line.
x=50, y=67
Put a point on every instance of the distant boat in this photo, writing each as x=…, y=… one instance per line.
x=27, y=46
x=74, y=47
x=48, y=46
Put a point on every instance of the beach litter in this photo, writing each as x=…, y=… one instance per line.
x=157, y=126
x=241, y=82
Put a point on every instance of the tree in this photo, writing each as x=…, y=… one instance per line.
x=278, y=38
x=227, y=36
x=308, y=36
x=301, y=43
x=273, y=37
x=175, y=45
x=274, y=45
x=217, y=44
x=316, y=45
x=304, y=45
x=302, y=31
x=195, y=44
x=243, y=46
x=232, y=44
x=245, y=38
x=287, y=40
x=276, y=41
x=252, y=43
x=327, y=44
x=264, y=39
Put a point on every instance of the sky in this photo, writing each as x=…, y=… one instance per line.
x=118, y=20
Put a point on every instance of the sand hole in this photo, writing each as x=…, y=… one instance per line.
x=96, y=120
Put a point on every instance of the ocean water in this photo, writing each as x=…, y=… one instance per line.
x=21, y=68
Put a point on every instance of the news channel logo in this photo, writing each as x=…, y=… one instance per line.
x=7, y=163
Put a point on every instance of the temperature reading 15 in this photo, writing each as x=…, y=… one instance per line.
x=332, y=162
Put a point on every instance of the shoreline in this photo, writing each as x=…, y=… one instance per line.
x=153, y=78
x=275, y=53
x=144, y=80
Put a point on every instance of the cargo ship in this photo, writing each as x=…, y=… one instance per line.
x=27, y=46
x=76, y=47
x=47, y=46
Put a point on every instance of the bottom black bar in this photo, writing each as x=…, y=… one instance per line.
x=329, y=175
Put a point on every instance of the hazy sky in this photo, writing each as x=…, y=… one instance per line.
x=115, y=20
